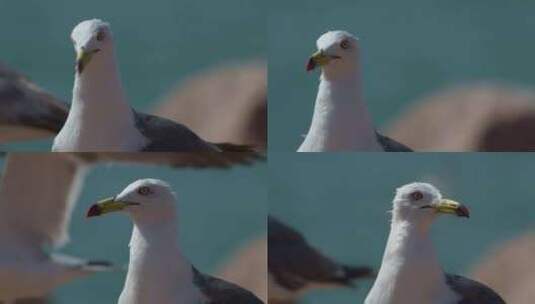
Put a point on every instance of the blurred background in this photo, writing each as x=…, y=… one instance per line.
x=201, y=48
x=340, y=203
x=446, y=76
x=219, y=212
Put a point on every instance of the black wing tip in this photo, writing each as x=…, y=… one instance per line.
x=98, y=265
x=358, y=272
x=240, y=148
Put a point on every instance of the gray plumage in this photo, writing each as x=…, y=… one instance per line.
x=295, y=265
x=163, y=134
x=217, y=291
x=472, y=292
x=24, y=105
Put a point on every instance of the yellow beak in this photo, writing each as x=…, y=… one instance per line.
x=451, y=207
x=108, y=205
x=318, y=59
x=83, y=57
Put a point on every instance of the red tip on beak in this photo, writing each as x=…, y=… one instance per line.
x=94, y=211
x=311, y=64
x=463, y=211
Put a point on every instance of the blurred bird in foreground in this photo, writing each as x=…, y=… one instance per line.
x=37, y=195
x=295, y=267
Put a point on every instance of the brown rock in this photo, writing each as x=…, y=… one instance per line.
x=509, y=269
x=248, y=268
x=479, y=117
x=227, y=104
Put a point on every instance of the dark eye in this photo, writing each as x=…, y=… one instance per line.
x=144, y=191
x=416, y=195
x=344, y=44
x=101, y=36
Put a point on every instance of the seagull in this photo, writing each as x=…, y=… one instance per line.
x=341, y=121
x=38, y=192
x=410, y=272
x=158, y=272
x=26, y=111
x=295, y=267
x=100, y=118
x=37, y=195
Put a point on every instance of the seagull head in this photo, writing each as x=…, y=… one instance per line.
x=144, y=199
x=423, y=202
x=338, y=51
x=90, y=37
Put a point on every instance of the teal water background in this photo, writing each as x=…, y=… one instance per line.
x=159, y=43
x=409, y=49
x=340, y=202
x=219, y=212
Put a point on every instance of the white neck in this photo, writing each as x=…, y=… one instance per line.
x=157, y=271
x=410, y=272
x=341, y=121
x=100, y=117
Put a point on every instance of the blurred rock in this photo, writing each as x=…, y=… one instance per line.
x=509, y=269
x=479, y=117
x=226, y=104
x=248, y=268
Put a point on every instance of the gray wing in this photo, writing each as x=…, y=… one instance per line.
x=293, y=263
x=472, y=292
x=390, y=145
x=169, y=136
x=217, y=291
x=23, y=105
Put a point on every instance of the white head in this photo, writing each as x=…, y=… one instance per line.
x=338, y=54
x=89, y=38
x=145, y=200
x=422, y=202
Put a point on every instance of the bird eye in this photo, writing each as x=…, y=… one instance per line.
x=144, y=191
x=344, y=44
x=101, y=36
x=416, y=195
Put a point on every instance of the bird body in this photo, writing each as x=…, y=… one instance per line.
x=409, y=255
x=149, y=282
x=340, y=121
